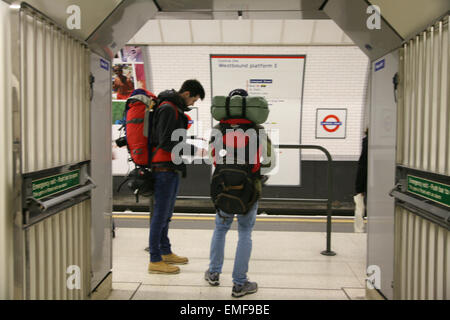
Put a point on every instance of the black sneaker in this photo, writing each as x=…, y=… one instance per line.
x=212, y=278
x=240, y=290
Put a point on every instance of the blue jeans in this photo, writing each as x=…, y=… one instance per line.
x=165, y=194
x=244, y=246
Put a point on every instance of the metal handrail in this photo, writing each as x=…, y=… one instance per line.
x=328, y=251
x=45, y=205
x=433, y=213
x=262, y=198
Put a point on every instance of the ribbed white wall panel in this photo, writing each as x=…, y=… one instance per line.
x=424, y=135
x=55, y=124
x=55, y=114
x=422, y=265
x=422, y=247
x=54, y=245
x=6, y=162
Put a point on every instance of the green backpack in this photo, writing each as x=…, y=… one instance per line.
x=252, y=108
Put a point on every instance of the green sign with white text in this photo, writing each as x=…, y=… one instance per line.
x=55, y=184
x=431, y=190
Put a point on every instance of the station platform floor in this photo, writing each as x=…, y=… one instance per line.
x=287, y=265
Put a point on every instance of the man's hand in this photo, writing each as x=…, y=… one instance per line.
x=201, y=152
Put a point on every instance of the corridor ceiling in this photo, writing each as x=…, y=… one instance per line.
x=92, y=12
x=409, y=17
x=110, y=24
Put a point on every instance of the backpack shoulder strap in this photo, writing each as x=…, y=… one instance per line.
x=244, y=107
x=227, y=107
x=173, y=106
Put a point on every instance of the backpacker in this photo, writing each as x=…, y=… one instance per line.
x=137, y=123
x=237, y=161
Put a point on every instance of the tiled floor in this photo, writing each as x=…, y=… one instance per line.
x=286, y=265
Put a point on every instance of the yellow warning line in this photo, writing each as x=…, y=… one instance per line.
x=257, y=219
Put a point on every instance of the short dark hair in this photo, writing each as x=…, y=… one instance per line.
x=194, y=87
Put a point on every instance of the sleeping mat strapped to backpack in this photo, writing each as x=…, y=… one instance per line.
x=252, y=108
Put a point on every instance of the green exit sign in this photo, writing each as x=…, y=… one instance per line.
x=55, y=184
x=431, y=190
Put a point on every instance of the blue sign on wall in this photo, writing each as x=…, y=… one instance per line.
x=380, y=65
x=104, y=64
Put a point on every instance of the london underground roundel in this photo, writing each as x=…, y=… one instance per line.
x=331, y=123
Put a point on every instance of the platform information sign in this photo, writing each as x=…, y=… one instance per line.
x=431, y=190
x=279, y=79
x=55, y=184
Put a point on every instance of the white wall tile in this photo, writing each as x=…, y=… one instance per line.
x=298, y=31
x=149, y=33
x=267, y=31
x=206, y=31
x=236, y=31
x=335, y=77
x=327, y=31
x=176, y=31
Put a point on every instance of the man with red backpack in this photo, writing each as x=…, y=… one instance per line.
x=168, y=117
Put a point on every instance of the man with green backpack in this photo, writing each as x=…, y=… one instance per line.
x=241, y=153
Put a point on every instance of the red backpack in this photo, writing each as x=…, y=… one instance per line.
x=138, y=124
x=138, y=116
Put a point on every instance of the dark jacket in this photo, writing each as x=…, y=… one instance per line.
x=361, y=174
x=169, y=116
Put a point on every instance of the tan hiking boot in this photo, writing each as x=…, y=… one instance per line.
x=162, y=267
x=172, y=258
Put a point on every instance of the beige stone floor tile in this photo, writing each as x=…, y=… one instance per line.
x=123, y=290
